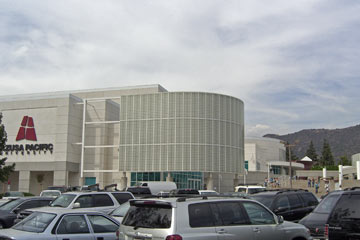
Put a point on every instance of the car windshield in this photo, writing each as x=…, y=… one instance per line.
x=50, y=194
x=255, y=190
x=63, y=200
x=266, y=200
x=122, y=210
x=327, y=204
x=36, y=222
x=11, y=205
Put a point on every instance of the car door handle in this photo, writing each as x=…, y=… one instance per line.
x=100, y=238
x=257, y=230
x=221, y=231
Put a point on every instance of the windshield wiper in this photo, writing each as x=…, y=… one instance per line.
x=57, y=205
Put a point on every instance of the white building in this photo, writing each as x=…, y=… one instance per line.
x=124, y=135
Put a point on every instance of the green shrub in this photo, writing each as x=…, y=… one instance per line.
x=331, y=168
x=26, y=194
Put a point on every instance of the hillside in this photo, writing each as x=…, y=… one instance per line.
x=345, y=141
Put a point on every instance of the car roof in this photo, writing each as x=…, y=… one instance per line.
x=198, y=199
x=60, y=210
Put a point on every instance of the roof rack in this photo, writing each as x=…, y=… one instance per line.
x=281, y=190
x=352, y=189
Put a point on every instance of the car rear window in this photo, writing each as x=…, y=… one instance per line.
x=148, y=214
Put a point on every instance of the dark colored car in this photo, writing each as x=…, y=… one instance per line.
x=292, y=204
x=179, y=192
x=9, y=210
x=336, y=217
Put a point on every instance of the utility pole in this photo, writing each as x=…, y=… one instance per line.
x=290, y=166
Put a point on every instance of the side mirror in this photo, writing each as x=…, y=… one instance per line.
x=280, y=219
x=76, y=205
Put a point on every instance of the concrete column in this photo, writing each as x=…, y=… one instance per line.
x=24, y=181
x=358, y=170
x=61, y=178
x=123, y=182
x=340, y=175
x=236, y=179
x=209, y=182
x=169, y=178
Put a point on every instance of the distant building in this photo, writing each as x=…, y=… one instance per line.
x=125, y=136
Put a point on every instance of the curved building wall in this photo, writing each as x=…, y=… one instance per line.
x=181, y=131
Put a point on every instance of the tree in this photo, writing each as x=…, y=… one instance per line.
x=344, y=161
x=311, y=153
x=4, y=170
x=327, y=158
x=293, y=156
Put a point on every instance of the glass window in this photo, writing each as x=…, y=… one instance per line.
x=327, y=204
x=85, y=201
x=295, y=201
x=63, y=200
x=101, y=200
x=149, y=215
x=12, y=204
x=309, y=198
x=348, y=208
x=36, y=222
x=200, y=215
x=101, y=224
x=266, y=200
x=282, y=204
x=122, y=197
x=122, y=210
x=258, y=214
x=231, y=213
x=73, y=224
x=43, y=203
x=28, y=204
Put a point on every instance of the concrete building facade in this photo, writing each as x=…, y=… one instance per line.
x=124, y=136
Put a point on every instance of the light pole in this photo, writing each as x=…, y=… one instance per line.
x=290, y=167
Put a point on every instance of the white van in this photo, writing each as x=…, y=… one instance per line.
x=156, y=187
x=250, y=189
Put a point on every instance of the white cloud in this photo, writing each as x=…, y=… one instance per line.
x=253, y=50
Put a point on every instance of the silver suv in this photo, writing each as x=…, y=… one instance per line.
x=208, y=218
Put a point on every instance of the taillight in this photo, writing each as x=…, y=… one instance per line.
x=174, y=237
x=117, y=235
x=326, y=232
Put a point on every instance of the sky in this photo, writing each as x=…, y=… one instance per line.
x=294, y=64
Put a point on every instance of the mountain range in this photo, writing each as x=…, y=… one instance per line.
x=343, y=142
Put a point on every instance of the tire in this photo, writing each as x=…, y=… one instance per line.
x=2, y=226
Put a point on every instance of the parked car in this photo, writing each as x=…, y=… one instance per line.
x=50, y=193
x=9, y=210
x=56, y=223
x=61, y=188
x=336, y=217
x=292, y=204
x=12, y=195
x=249, y=189
x=93, y=201
x=208, y=193
x=183, y=191
x=120, y=212
x=206, y=218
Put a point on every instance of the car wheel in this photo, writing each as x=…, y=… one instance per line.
x=1, y=225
